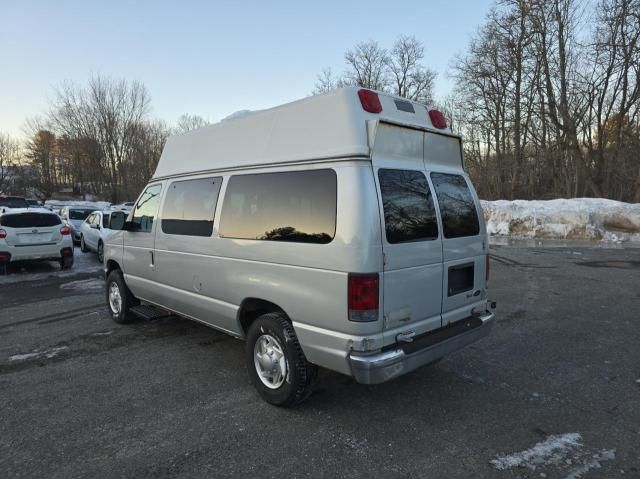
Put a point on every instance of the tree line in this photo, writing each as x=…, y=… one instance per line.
x=546, y=97
x=97, y=139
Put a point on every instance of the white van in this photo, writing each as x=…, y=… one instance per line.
x=338, y=231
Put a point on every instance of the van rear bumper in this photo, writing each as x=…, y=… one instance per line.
x=381, y=367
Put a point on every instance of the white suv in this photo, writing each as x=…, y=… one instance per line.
x=34, y=235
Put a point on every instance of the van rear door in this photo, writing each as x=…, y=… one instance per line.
x=463, y=230
x=412, y=275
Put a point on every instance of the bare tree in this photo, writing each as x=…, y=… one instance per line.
x=106, y=111
x=410, y=79
x=188, y=122
x=9, y=158
x=42, y=152
x=550, y=108
x=367, y=66
x=327, y=82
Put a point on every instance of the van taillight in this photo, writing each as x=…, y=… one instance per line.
x=65, y=230
x=370, y=101
x=363, y=297
x=437, y=119
x=3, y=234
x=488, y=269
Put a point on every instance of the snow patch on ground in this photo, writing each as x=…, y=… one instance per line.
x=564, y=452
x=550, y=451
x=576, y=218
x=41, y=270
x=50, y=353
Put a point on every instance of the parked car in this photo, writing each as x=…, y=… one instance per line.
x=27, y=234
x=338, y=231
x=75, y=216
x=94, y=231
x=10, y=202
x=33, y=203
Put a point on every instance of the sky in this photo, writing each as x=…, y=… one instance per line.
x=209, y=58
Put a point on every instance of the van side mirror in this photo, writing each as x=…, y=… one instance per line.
x=117, y=220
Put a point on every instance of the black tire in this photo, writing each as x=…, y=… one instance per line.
x=66, y=262
x=83, y=245
x=128, y=301
x=100, y=252
x=299, y=372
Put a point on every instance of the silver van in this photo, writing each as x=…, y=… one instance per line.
x=338, y=231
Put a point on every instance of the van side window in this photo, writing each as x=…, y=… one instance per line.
x=297, y=206
x=189, y=207
x=409, y=212
x=457, y=208
x=146, y=209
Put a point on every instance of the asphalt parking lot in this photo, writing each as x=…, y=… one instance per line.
x=554, y=392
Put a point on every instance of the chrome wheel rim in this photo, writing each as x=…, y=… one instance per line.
x=269, y=361
x=115, y=300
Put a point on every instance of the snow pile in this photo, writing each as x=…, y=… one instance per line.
x=98, y=205
x=577, y=218
x=236, y=115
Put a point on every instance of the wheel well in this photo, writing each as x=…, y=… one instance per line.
x=111, y=265
x=253, y=308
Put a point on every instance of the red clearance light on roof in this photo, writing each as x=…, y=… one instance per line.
x=370, y=101
x=437, y=119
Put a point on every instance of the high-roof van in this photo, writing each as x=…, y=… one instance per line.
x=338, y=231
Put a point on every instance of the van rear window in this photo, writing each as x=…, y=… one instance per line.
x=294, y=206
x=457, y=208
x=409, y=212
x=29, y=220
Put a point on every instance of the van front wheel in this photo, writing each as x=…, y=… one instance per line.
x=119, y=298
x=277, y=366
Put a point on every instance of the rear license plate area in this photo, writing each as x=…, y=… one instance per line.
x=460, y=279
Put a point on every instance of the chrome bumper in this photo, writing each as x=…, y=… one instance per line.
x=381, y=367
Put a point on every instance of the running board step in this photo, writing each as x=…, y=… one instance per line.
x=149, y=312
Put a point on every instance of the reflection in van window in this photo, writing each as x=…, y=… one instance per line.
x=146, y=209
x=189, y=207
x=457, y=208
x=297, y=206
x=409, y=213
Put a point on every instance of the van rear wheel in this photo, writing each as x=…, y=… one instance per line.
x=277, y=366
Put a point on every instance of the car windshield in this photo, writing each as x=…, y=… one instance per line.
x=79, y=214
x=14, y=202
x=29, y=220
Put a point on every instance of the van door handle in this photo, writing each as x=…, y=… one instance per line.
x=152, y=262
